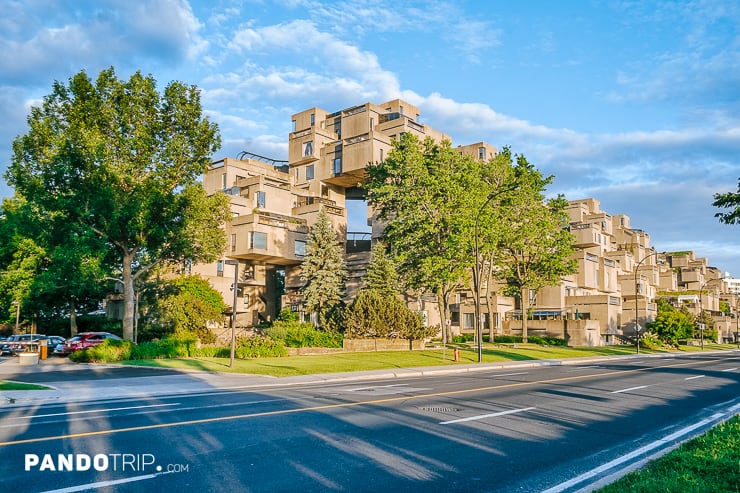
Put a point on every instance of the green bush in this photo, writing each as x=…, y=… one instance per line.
x=259, y=347
x=108, y=351
x=377, y=314
x=297, y=334
x=462, y=338
x=168, y=347
x=212, y=352
x=547, y=341
x=650, y=341
x=508, y=339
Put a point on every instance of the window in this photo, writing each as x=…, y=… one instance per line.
x=381, y=155
x=259, y=199
x=482, y=153
x=313, y=119
x=220, y=268
x=300, y=248
x=258, y=241
x=293, y=121
x=245, y=300
x=468, y=320
x=337, y=165
x=233, y=242
x=223, y=181
x=309, y=172
x=308, y=148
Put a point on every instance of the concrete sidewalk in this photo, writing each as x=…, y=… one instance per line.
x=81, y=382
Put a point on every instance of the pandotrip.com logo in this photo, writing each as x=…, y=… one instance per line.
x=125, y=463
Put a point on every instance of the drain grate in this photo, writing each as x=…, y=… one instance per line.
x=440, y=409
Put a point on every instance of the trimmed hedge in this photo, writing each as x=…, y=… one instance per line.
x=297, y=334
x=172, y=347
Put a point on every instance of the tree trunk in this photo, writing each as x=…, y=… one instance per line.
x=443, y=310
x=525, y=312
x=128, y=297
x=72, y=319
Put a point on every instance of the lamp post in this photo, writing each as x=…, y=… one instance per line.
x=17, y=314
x=477, y=269
x=235, y=263
x=637, y=317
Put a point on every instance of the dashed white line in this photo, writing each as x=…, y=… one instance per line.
x=629, y=389
x=729, y=369
x=695, y=377
x=104, y=410
x=483, y=416
x=103, y=484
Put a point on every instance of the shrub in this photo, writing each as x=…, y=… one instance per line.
x=259, y=347
x=168, y=347
x=650, y=341
x=108, y=351
x=462, y=338
x=508, y=339
x=296, y=334
x=547, y=341
x=375, y=314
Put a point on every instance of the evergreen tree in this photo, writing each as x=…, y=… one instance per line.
x=323, y=269
x=381, y=274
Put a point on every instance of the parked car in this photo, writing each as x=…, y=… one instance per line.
x=52, y=342
x=84, y=340
x=6, y=345
x=23, y=343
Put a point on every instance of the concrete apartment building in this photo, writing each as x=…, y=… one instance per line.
x=274, y=203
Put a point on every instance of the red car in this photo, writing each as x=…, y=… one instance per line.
x=84, y=340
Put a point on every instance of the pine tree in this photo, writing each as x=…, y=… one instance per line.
x=323, y=269
x=381, y=274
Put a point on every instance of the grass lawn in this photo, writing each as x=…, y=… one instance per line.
x=4, y=385
x=346, y=362
x=706, y=464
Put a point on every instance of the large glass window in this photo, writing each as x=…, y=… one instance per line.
x=468, y=320
x=258, y=241
x=309, y=172
x=220, y=268
x=337, y=165
x=300, y=248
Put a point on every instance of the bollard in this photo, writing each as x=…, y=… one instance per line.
x=457, y=355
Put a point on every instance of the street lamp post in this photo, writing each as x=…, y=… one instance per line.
x=477, y=269
x=17, y=314
x=235, y=263
x=637, y=317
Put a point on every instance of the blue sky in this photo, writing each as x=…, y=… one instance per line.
x=635, y=103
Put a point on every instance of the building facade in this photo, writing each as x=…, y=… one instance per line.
x=608, y=300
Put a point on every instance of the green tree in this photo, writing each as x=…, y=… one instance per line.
x=671, y=325
x=384, y=315
x=381, y=272
x=710, y=332
x=189, y=306
x=535, y=247
x=420, y=191
x=119, y=159
x=731, y=201
x=323, y=269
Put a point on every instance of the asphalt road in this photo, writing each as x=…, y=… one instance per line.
x=554, y=429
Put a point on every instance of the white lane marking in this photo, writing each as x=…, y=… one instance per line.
x=94, y=411
x=730, y=369
x=640, y=451
x=103, y=484
x=483, y=416
x=631, y=388
x=697, y=376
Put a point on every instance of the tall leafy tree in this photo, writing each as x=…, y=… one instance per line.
x=535, y=247
x=323, y=269
x=420, y=192
x=117, y=158
x=731, y=201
